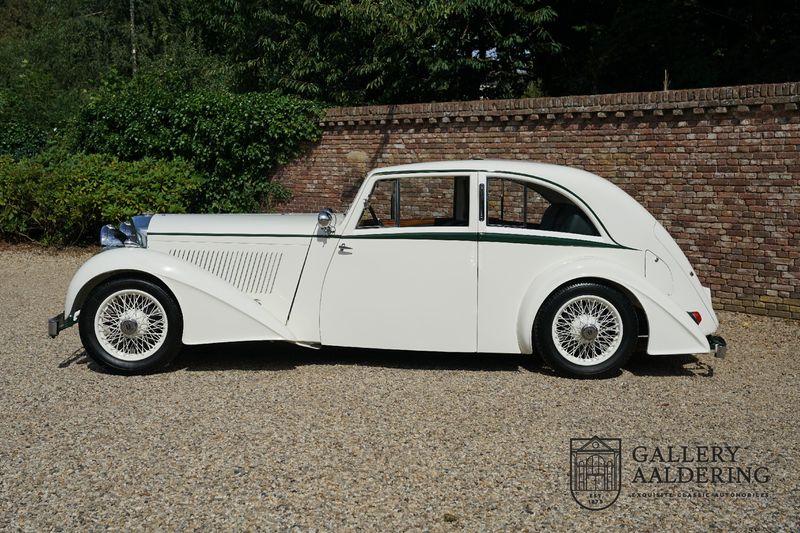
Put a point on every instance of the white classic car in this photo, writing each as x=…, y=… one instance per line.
x=453, y=256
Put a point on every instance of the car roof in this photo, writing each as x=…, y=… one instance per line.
x=500, y=165
x=567, y=176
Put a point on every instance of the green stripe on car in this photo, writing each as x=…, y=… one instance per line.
x=513, y=238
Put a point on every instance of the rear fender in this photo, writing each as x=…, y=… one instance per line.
x=213, y=310
x=671, y=330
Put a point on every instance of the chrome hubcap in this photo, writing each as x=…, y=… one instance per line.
x=589, y=333
x=587, y=330
x=129, y=327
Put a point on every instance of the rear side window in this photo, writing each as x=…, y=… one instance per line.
x=418, y=201
x=518, y=204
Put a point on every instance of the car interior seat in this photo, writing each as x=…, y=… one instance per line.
x=566, y=218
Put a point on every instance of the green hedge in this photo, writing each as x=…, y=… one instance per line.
x=57, y=199
x=235, y=140
x=21, y=140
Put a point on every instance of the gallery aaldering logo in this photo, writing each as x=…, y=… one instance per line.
x=595, y=471
x=663, y=471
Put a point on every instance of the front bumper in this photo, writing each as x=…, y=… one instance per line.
x=718, y=346
x=58, y=323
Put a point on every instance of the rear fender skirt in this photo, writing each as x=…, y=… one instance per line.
x=671, y=330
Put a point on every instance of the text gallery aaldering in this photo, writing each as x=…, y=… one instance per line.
x=669, y=471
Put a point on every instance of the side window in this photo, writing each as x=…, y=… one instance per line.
x=417, y=201
x=519, y=204
x=434, y=201
x=506, y=201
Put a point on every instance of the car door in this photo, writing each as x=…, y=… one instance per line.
x=404, y=275
x=527, y=227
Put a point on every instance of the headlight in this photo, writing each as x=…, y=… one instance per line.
x=110, y=237
x=130, y=233
x=127, y=229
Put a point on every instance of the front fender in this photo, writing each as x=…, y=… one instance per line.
x=671, y=330
x=213, y=310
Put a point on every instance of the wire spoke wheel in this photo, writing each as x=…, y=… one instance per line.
x=131, y=325
x=587, y=330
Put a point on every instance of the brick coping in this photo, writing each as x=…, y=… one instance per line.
x=744, y=98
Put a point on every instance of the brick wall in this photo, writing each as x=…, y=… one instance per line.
x=719, y=167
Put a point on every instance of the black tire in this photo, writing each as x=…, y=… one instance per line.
x=543, y=336
x=162, y=357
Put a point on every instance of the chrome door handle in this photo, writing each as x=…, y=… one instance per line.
x=344, y=248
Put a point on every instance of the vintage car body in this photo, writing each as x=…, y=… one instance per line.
x=471, y=281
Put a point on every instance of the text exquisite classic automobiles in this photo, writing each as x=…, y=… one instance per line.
x=456, y=256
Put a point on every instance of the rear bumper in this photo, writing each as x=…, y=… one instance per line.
x=58, y=323
x=718, y=346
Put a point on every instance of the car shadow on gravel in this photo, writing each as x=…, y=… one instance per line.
x=642, y=364
x=277, y=356
x=266, y=356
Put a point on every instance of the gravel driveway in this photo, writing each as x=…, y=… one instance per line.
x=276, y=437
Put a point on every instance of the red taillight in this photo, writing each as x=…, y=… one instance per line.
x=696, y=316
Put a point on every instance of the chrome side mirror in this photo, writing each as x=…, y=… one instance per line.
x=325, y=218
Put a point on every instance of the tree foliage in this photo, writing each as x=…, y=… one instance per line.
x=54, y=53
x=625, y=45
x=347, y=52
x=236, y=140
